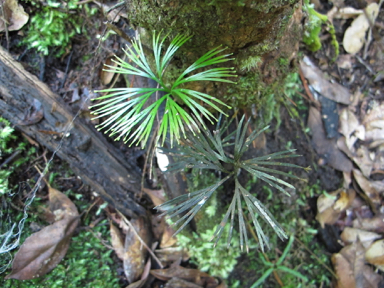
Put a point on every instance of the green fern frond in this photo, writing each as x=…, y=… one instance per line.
x=130, y=121
x=208, y=150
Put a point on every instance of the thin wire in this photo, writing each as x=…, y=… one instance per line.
x=9, y=236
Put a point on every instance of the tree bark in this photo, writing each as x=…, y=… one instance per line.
x=89, y=155
x=263, y=36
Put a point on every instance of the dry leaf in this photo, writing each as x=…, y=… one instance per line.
x=333, y=91
x=180, y=283
x=135, y=253
x=172, y=256
x=375, y=254
x=350, y=235
x=367, y=187
x=168, y=240
x=190, y=275
x=157, y=196
x=351, y=270
x=375, y=224
x=374, y=123
x=327, y=148
x=117, y=241
x=42, y=251
x=348, y=122
x=107, y=76
x=329, y=207
x=354, y=36
x=14, y=15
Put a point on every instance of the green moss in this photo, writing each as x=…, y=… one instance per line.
x=54, y=25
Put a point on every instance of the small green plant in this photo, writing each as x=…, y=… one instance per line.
x=125, y=106
x=313, y=27
x=6, y=138
x=54, y=25
x=278, y=266
x=218, y=261
x=207, y=152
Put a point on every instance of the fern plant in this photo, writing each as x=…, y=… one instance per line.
x=128, y=119
x=210, y=151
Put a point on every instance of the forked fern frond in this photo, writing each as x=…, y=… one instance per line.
x=208, y=150
x=129, y=120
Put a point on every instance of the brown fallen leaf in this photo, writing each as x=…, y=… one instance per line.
x=374, y=121
x=329, y=207
x=367, y=187
x=157, y=196
x=134, y=253
x=374, y=224
x=351, y=270
x=117, y=241
x=350, y=235
x=43, y=250
x=168, y=240
x=172, y=256
x=326, y=148
x=333, y=91
x=375, y=254
x=106, y=75
x=14, y=15
x=354, y=36
x=191, y=275
x=180, y=283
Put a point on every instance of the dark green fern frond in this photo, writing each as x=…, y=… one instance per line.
x=214, y=150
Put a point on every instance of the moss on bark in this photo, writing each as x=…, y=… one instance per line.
x=262, y=35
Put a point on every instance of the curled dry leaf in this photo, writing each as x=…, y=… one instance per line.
x=42, y=251
x=350, y=235
x=329, y=207
x=180, y=283
x=374, y=123
x=168, y=240
x=354, y=36
x=375, y=254
x=157, y=196
x=14, y=14
x=375, y=224
x=172, y=256
x=333, y=91
x=367, y=187
x=106, y=76
x=190, y=275
x=117, y=241
x=135, y=253
x=351, y=270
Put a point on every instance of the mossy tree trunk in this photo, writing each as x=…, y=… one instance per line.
x=263, y=36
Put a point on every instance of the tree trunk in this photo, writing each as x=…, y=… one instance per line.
x=262, y=35
x=90, y=156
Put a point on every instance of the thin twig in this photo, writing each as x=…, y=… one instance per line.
x=141, y=240
x=317, y=258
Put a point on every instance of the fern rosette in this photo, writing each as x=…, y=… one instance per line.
x=131, y=120
x=220, y=153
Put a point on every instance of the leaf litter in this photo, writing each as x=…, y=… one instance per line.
x=356, y=209
x=43, y=250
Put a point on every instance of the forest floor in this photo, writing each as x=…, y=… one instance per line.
x=333, y=116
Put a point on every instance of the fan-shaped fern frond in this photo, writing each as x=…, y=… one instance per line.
x=129, y=120
x=208, y=150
